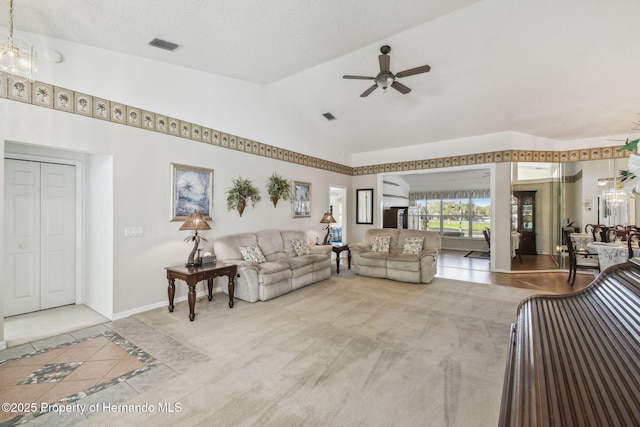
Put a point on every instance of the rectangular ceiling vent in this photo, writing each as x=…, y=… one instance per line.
x=163, y=44
x=329, y=116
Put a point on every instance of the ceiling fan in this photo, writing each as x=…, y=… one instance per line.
x=386, y=78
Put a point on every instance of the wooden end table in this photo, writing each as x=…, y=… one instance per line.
x=193, y=275
x=337, y=249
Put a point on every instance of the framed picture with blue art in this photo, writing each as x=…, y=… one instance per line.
x=191, y=191
x=301, y=199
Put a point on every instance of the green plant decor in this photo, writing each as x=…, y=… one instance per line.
x=628, y=175
x=278, y=188
x=242, y=192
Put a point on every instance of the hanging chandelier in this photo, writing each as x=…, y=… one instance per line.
x=17, y=56
x=615, y=197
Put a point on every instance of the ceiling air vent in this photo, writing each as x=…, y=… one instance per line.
x=329, y=116
x=163, y=44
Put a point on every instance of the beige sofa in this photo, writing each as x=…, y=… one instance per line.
x=417, y=267
x=283, y=271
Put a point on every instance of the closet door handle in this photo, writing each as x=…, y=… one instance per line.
x=23, y=246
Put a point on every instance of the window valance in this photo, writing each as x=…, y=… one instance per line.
x=450, y=194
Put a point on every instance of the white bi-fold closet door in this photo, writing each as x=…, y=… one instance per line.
x=40, y=236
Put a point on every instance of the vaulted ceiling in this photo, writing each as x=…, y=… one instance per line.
x=557, y=69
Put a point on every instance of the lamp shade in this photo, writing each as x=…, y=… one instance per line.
x=195, y=221
x=328, y=218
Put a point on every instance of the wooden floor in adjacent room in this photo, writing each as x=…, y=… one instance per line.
x=454, y=265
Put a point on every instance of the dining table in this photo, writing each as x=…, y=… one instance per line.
x=611, y=253
x=515, y=243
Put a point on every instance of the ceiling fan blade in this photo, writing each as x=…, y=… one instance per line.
x=412, y=71
x=400, y=88
x=368, y=91
x=385, y=60
x=358, y=77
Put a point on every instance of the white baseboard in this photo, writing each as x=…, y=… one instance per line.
x=165, y=303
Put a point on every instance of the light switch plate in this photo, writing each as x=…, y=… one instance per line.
x=133, y=231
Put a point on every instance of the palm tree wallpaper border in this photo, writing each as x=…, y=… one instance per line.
x=191, y=191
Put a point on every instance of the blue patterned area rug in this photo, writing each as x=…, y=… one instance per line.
x=478, y=254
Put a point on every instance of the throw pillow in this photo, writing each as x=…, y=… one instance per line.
x=252, y=254
x=300, y=246
x=413, y=245
x=381, y=244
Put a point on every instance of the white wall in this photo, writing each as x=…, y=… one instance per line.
x=99, y=219
x=501, y=217
x=395, y=191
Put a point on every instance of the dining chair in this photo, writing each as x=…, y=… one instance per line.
x=633, y=241
x=578, y=262
x=598, y=232
x=487, y=237
x=611, y=235
x=623, y=234
x=588, y=229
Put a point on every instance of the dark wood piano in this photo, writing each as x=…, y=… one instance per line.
x=574, y=360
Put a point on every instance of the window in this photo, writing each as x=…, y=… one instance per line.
x=452, y=214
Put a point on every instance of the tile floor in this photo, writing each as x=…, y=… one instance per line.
x=88, y=366
x=65, y=373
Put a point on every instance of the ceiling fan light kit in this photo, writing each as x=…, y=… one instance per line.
x=385, y=77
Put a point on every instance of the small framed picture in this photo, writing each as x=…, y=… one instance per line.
x=19, y=90
x=42, y=95
x=364, y=206
x=301, y=199
x=191, y=191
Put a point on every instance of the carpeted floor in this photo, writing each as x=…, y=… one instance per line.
x=478, y=254
x=347, y=351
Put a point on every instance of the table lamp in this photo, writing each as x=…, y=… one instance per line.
x=328, y=219
x=195, y=222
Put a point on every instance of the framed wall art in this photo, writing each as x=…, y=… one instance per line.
x=364, y=206
x=301, y=199
x=191, y=191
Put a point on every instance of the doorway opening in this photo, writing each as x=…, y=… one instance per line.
x=338, y=202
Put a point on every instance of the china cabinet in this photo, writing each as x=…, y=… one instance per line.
x=523, y=220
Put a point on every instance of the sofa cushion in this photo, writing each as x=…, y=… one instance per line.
x=371, y=233
x=374, y=259
x=381, y=244
x=298, y=261
x=270, y=242
x=300, y=265
x=288, y=236
x=431, y=239
x=228, y=247
x=300, y=246
x=408, y=262
x=273, y=272
x=412, y=245
x=252, y=253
